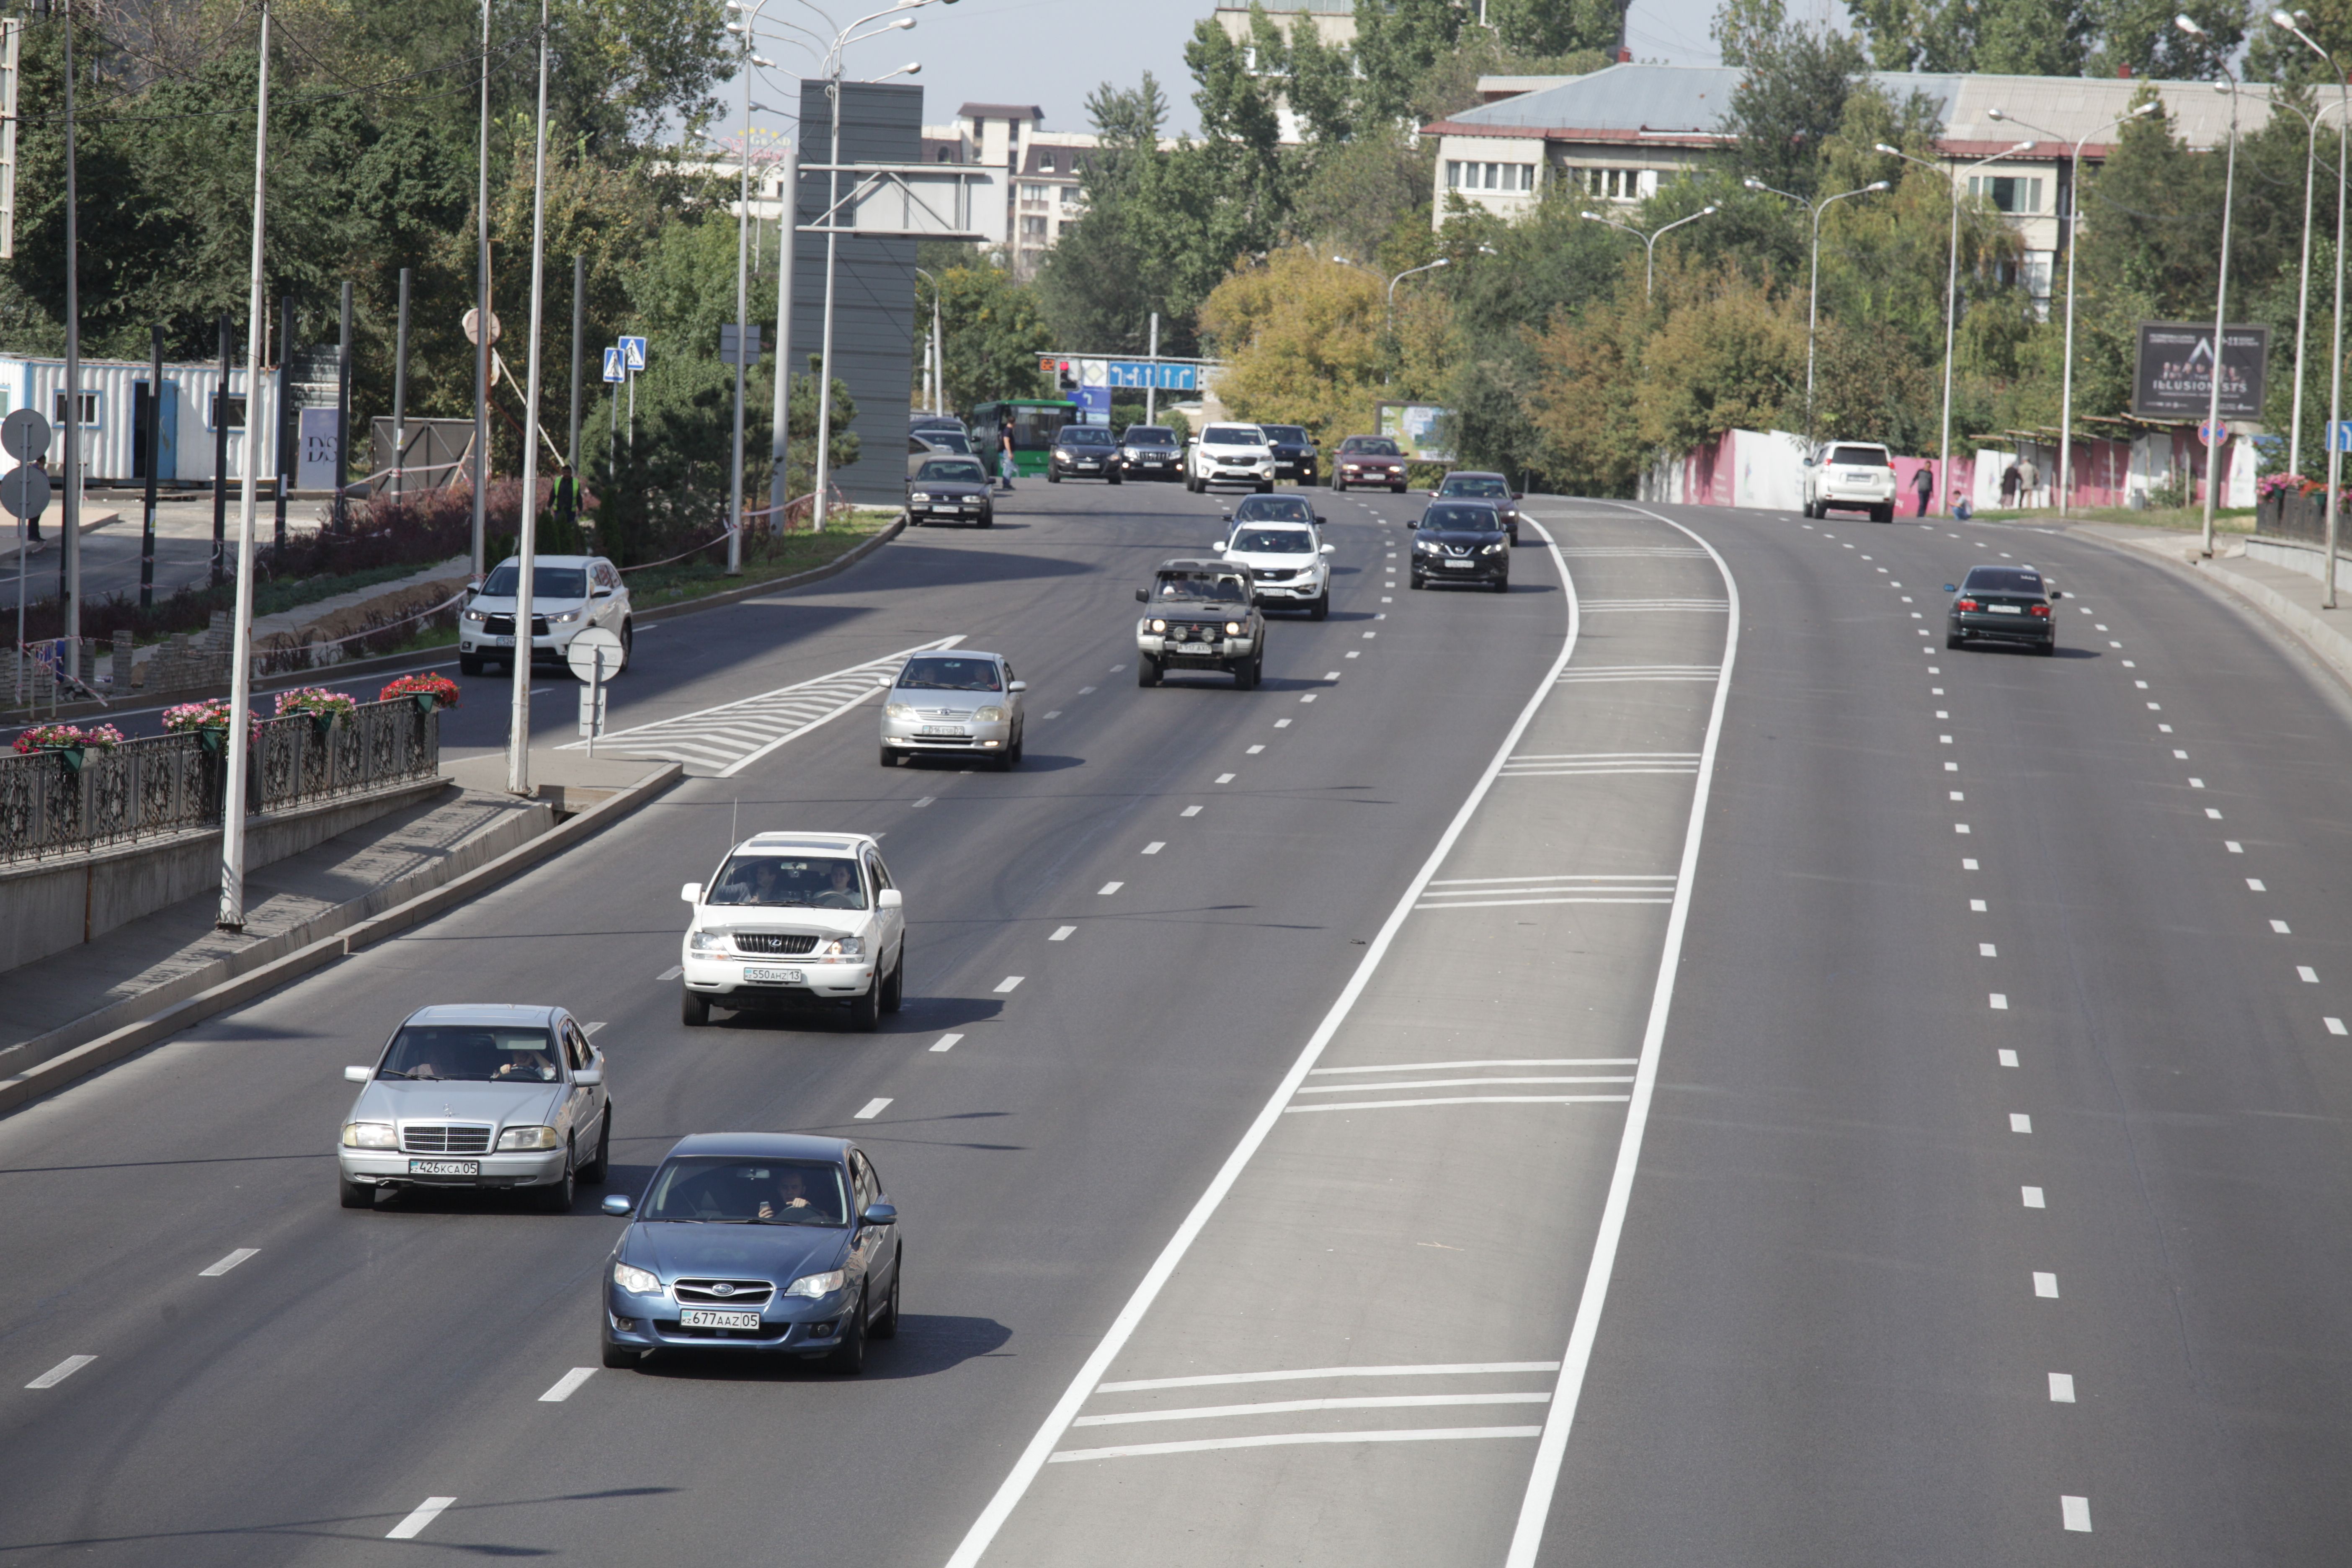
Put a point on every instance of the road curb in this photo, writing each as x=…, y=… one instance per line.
x=777, y=584
x=47, y=1076
x=2323, y=641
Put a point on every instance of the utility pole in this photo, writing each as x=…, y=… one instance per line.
x=154, y=460
x=779, y=441
x=236, y=747
x=572, y=444
x=1151, y=381
x=344, y=402
x=282, y=421
x=220, y=454
x=482, y=332
x=71, y=561
x=526, y=521
x=400, y=392
x=12, y=39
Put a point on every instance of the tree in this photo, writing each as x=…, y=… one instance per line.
x=1744, y=28
x=990, y=331
x=1303, y=342
x=1363, y=190
x=1792, y=99
x=1397, y=41
x=1556, y=27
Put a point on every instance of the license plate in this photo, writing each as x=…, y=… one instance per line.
x=1460, y=565
x=444, y=1167
x=942, y=730
x=772, y=976
x=2003, y=610
x=701, y=1318
x=1090, y=465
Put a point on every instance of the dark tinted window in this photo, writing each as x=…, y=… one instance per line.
x=2001, y=580
x=1086, y=436
x=1290, y=435
x=1462, y=518
x=471, y=1053
x=943, y=672
x=1274, y=541
x=1371, y=446
x=1230, y=436
x=747, y=1191
x=1273, y=509
x=1859, y=457
x=965, y=470
x=1476, y=485
x=1200, y=585
x=546, y=581
x=1151, y=436
x=788, y=881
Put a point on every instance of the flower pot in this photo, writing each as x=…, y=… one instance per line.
x=324, y=722
x=71, y=756
x=214, y=738
x=425, y=701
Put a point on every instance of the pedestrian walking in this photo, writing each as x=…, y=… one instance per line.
x=1924, y=481
x=2009, y=477
x=1005, y=467
x=2029, y=479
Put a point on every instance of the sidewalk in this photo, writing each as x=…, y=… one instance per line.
x=2278, y=577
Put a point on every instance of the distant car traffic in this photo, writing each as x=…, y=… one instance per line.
x=569, y=593
x=1474, y=485
x=1279, y=540
x=1083, y=452
x=924, y=442
x=504, y=1097
x=1465, y=543
x=1850, y=476
x=1368, y=460
x=795, y=919
x=1201, y=615
x=763, y=1243
x=951, y=490
x=1150, y=452
x=2002, y=605
x=937, y=424
x=1228, y=455
x=964, y=704
x=1295, y=457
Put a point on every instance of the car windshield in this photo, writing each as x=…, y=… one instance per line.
x=470, y=1053
x=700, y=1190
x=546, y=581
x=1474, y=484
x=966, y=472
x=1086, y=436
x=1274, y=541
x=937, y=673
x=1231, y=436
x=1371, y=446
x=946, y=441
x=1151, y=436
x=2001, y=580
x=1200, y=585
x=788, y=882
x=1289, y=435
x=1463, y=518
x=1273, y=509
x=1859, y=458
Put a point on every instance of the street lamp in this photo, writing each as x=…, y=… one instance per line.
x=2212, y=427
x=1430, y=267
x=1952, y=285
x=2335, y=360
x=1649, y=241
x=1813, y=291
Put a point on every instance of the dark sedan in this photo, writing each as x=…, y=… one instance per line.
x=1150, y=452
x=1462, y=542
x=1368, y=460
x=766, y=1242
x=951, y=490
x=2002, y=605
x=1473, y=485
x=1295, y=457
x=1083, y=452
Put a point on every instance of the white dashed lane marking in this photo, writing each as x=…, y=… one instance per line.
x=62, y=1371
x=567, y=1385
x=425, y=1512
x=946, y=1042
x=875, y=1106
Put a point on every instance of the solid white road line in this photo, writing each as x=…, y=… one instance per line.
x=1062, y=933
x=1009, y=982
x=2019, y=1123
x=2046, y=1285
x=1039, y=1450
x=1495, y=1062
x=1282, y=1439
x=226, y=1264
x=567, y=1385
x=62, y=1371
x=1292, y=1407
x=1459, y=1100
x=1312, y=1373
x=2075, y=1511
x=1452, y=1083
x=428, y=1510
x=946, y=1042
x=2062, y=1389
x=872, y=1109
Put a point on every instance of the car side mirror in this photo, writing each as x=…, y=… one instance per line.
x=1949, y=588
x=1227, y=512
x=889, y=898
x=618, y=1203
x=587, y=1077
x=1330, y=549
x=2056, y=594
x=1142, y=596
x=1017, y=686
x=879, y=1214
x=358, y=1074
x=604, y=593
x=1518, y=495
x=690, y=894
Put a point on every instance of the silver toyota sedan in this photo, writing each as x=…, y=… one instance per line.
x=959, y=704
x=479, y=1096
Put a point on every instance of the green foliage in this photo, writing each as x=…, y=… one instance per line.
x=1397, y=43
x=991, y=329
x=2053, y=38
x=1791, y=102
x=1743, y=29
x=1554, y=27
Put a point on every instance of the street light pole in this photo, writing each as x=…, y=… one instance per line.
x=2212, y=428
x=1813, y=290
x=2336, y=359
x=526, y=519
x=482, y=329
x=1649, y=242
x=779, y=492
x=235, y=744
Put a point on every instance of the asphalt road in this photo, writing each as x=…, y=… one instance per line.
x=1970, y=1188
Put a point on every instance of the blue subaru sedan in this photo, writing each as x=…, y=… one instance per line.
x=770, y=1242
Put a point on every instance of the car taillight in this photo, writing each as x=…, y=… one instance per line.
x=1965, y=604
x=2042, y=610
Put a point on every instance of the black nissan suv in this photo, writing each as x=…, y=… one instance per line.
x=2002, y=605
x=1462, y=542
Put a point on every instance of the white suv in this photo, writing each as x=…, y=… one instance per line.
x=795, y=918
x=1229, y=455
x=568, y=594
x=1852, y=475
x=1288, y=561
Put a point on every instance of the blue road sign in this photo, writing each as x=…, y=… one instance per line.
x=616, y=367
x=1143, y=372
x=633, y=352
x=2339, y=436
x=2213, y=434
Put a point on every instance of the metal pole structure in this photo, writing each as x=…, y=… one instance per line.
x=154, y=458
x=743, y=328
x=1650, y=241
x=220, y=455
x=824, y=460
x=788, y=242
x=282, y=416
x=526, y=521
x=1151, y=384
x=400, y=394
x=70, y=561
x=2336, y=359
x=482, y=326
x=2215, y=449
x=235, y=746
x=572, y=441
x=342, y=401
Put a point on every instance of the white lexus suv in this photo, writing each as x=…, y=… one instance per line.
x=1850, y=475
x=1229, y=455
x=796, y=919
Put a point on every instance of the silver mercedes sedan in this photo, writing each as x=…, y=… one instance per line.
x=479, y=1096
x=958, y=704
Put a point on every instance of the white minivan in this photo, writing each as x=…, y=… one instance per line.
x=1850, y=475
x=795, y=919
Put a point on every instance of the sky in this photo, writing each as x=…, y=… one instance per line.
x=1053, y=53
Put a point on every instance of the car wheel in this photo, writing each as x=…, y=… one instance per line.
x=1053, y=476
x=988, y=518
x=2048, y=649
x=895, y=994
x=1951, y=639
x=1245, y=676
x=1116, y=479
x=593, y=1171
x=850, y=1359
x=1147, y=672
x=886, y=1326
x=692, y=1010
x=557, y=1199
x=1321, y=607
x=622, y=1357
x=1265, y=487
x=1020, y=740
x=354, y=1195
x=888, y=756
x=1398, y=488
x=628, y=644
x=866, y=1012
x=1419, y=582
x=469, y=664
x=1502, y=585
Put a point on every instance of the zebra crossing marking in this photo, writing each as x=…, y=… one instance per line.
x=1606, y=674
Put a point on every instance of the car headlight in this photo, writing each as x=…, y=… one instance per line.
x=567, y=617
x=637, y=1281
x=921, y=495
x=515, y=1137
x=1424, y=546
x=1494, y=548
x=706, y=941
x=813, y=1286
x=897, y=711
x=844, y=947
x=370, y=1135
x=475, y=616
x=992, y=713
x=1159, y=625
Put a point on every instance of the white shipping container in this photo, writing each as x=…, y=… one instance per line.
x=112, y=392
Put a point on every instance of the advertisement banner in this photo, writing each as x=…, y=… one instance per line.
x=2173, y=378
x=1415, y=427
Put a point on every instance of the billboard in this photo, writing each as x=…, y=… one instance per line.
x=2173, y=378
x=1415, y=427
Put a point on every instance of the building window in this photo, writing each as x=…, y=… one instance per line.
x=88, y=409
x=2008, y=193
x=236, y=413
x=1044, y=162
x=1453, y=173
x=1033, y=193
x=1032, y=228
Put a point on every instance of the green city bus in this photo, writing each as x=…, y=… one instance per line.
x=1036, y=422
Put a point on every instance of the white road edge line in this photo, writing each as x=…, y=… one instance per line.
x=1040, y=1449
x=567, y=1385
x=411, y=1527
x=62, y=1371
x=1284, y=1439
x=1535, y=1507
x=1216, y=1379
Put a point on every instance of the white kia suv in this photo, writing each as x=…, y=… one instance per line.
x=1277, y=539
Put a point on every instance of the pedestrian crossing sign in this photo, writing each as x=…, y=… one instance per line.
x=615, y=369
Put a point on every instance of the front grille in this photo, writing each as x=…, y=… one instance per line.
x=446, y=1138
x=743, y=1294
x=503, y=625
x=781, y=944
